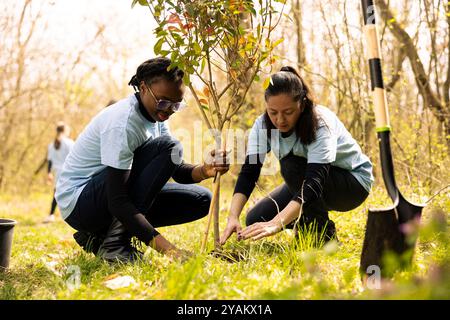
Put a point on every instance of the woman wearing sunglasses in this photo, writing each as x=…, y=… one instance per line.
x=323, y=167
x=114, y=182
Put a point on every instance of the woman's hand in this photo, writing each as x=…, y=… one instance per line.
x=162, y=245
x=217, y=162
x=233, y=225
x=265, y=229
x=260, y=230
x=50, y=178
x=180, y=255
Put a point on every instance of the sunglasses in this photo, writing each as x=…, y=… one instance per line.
x=166, y=105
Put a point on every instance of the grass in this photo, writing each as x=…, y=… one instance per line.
x=45, y=262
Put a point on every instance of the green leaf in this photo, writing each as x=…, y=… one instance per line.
x=186, y=79
x=189, y=69
x=179, y=40
x=202, y=67
x=161, y=33
x=141, y=2
x=205, y=107
x=250, y=8
x=164, y=53
x=173, y=64
x=264, y=55
x=174, y=56
x=197, y=48
x=158, y=45
x=277, y=42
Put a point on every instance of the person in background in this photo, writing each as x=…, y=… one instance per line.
x=57, y=152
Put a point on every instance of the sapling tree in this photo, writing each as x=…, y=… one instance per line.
x=217, y=39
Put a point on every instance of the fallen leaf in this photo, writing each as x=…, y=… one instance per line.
x=112, y=276
x=120, y=282
x=52, y=266
x=55, y=256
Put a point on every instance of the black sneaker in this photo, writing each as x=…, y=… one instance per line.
x=88, y=241
x=123, y=253
x=117, y=247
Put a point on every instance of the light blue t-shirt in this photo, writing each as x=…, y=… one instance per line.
x=109, y=140
x=57, y=156
x=333, y=144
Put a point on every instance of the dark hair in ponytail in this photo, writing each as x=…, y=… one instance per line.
x=288, y=81
x=60, y=129
x=154, y=70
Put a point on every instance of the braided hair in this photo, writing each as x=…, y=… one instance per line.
x=154, y=70
x=288, y=81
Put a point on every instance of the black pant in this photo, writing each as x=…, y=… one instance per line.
x=54, y=204
x=162, y=203
x=342, y=192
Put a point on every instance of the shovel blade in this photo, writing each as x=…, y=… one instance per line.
x=408, y=211
x=385, y=234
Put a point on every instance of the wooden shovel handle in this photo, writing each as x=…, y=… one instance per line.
x=376, y=74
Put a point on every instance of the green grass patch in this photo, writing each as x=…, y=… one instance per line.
x=46, y=263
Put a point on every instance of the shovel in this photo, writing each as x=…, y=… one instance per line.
x=388, y=230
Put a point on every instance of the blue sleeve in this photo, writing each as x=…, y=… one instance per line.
x=258, y=141
x=323, y=148
x=115, y=150
x=164, y=129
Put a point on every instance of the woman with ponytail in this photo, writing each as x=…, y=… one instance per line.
x=323, y=167
x=57, y=152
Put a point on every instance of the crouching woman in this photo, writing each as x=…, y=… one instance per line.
x=323, y=167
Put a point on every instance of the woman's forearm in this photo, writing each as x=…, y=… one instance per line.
x=161, y=244
x=288, y=214
x=198, y=174
x=237, y=204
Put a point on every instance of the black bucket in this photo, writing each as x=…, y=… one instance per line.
x=6, y=237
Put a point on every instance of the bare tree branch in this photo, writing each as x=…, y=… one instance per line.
x=396, y=73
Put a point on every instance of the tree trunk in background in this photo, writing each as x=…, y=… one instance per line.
x=446, y=86
x=300, y=49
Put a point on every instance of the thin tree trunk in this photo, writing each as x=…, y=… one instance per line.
x=446, y=86
x=300, y=46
